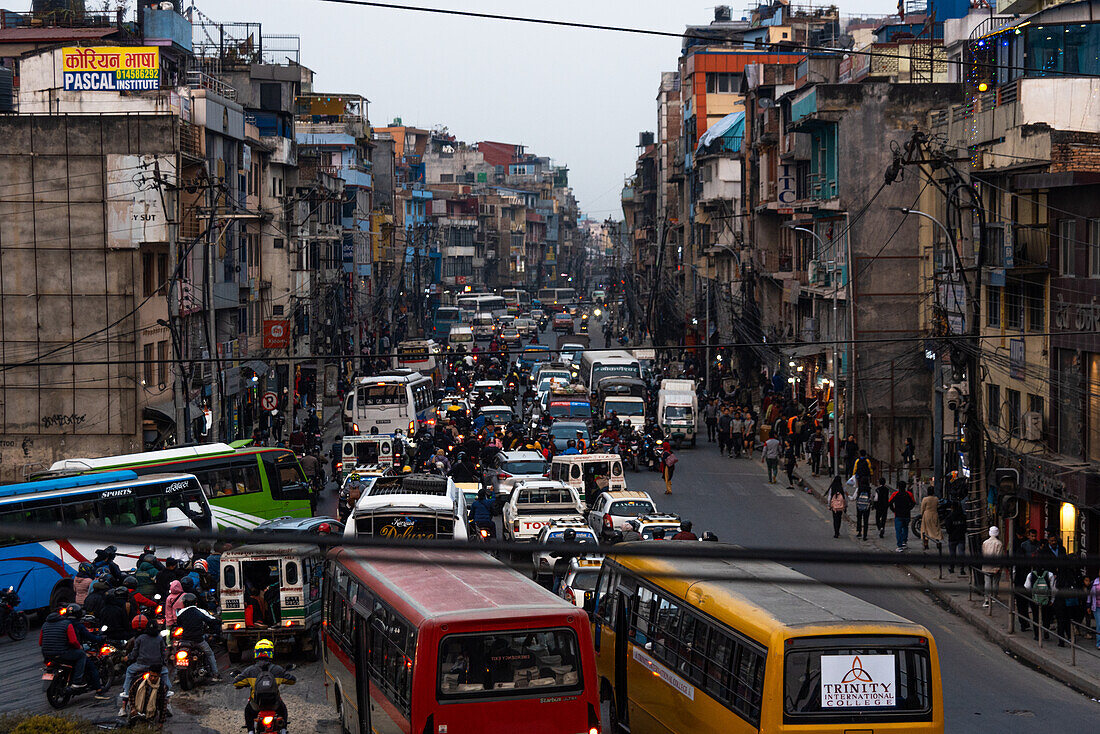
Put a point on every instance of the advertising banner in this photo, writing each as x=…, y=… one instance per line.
x=857, y=681
x=276, y=334
x=111, y=69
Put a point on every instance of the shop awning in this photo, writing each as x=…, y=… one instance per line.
x=805, y=350
x=256, y=365
x=166, y=410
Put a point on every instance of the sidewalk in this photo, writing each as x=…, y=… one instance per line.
x=957, y=594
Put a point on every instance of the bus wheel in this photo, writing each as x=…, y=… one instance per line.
x=313, y=652
x=608, y=713
x=62, y=594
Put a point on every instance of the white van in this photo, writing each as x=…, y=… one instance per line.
x=484, y=326
x=463, y=335
x=589, y=474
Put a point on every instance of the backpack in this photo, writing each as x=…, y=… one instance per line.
x=266, y=688
x=1040, y=590
x=671, y=460
x=838, y=502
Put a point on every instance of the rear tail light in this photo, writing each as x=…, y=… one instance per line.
x=339, y=466
x=268, y=720
x=515, y=526
x=355, y=428
x=181, y=655
x=608, y=522
x=503, y=475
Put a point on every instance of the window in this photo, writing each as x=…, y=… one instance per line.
x=717, y=659
x=291, y=573
x=277, y=243
x=1035, y=404
x=993, y=405
x=509, y=664
x=1014, y=306
x=1067, y=246
x=723, y=83
x=1035, y=302
x=1094, y=248
x=392, y=647
x=147, y=377
x=231, y=481
x=162, y=362
x=148, y=274
x=1012, y=401
x=803, y=685
x=992, y=306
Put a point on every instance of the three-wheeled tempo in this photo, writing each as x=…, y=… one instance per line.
x=272, y=592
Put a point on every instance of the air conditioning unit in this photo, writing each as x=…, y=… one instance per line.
x=1033, y=425
x=813, y=272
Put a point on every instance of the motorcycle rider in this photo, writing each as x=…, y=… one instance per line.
x=481, y=513
x=148, y=651
x=137, y=599
x=114, y=614
x=60, y=640
x=105, y=559
x=466, y=469
x=264, y=695
x=561, y=565
x=194, y=620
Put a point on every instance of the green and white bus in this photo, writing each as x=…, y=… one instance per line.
x=245, y=486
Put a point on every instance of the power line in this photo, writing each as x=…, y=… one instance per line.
x=777, y=49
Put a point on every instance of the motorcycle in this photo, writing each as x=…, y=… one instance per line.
x=110, y=661
x=15, y=623
x=58, y=685
x=268, y=720
x=190, y=660
x=628, y=452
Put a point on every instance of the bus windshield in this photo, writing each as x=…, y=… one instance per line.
x=624, y=407
x=389, y=394
x=508, y=664
x=817, y=677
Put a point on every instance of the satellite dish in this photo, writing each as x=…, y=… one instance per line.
x=766, y=102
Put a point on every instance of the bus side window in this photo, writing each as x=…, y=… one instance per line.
x=119, y=512
x=640, y=619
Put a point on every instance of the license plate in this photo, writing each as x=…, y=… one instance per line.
x=47, y=676
x=182, y=663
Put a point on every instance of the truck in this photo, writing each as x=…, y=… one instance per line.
x=678, y=410
x=535, y=504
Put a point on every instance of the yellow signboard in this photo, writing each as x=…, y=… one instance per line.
x=111, y=68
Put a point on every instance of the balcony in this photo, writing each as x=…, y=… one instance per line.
x=1031, y=246
x=202, y=80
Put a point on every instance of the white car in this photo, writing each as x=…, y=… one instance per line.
x=611, y=510
x=509, y=467
x=570, y=352
x=541, y=560
x=663, y=521
x=579, y=583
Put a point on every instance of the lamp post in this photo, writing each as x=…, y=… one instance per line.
x=837, y=432
x=937, y=412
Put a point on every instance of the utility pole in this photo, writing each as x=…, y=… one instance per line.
x=170, y=203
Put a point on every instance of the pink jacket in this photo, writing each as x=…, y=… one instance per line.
x=174, y=602
x=1094, y=595
x=81, y=586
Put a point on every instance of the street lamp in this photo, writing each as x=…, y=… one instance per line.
x=836, y=382
x=937, y=413
x=946, y=233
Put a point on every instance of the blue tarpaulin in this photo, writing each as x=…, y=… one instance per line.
x=726, y=134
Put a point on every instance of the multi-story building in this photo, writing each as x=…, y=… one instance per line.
x=1034, y=166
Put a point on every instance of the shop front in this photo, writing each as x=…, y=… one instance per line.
x=1063, y=497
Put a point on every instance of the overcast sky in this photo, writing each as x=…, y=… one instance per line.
x=578, y=96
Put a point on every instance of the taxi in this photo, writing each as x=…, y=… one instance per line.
x=542, y=560
x=579, y=582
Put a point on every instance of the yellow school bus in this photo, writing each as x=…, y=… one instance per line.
x=689, y=645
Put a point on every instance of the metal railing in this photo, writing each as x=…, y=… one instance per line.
x=202, y=80
x=976, y=584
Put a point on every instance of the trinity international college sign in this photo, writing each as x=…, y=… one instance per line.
x=111, y=68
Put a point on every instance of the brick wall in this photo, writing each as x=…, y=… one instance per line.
x=1074, y=151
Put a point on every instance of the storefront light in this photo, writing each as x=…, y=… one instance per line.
x=1068, y=515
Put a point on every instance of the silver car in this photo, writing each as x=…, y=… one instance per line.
x=510, y=467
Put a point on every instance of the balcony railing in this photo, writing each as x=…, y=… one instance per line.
x=202, y=80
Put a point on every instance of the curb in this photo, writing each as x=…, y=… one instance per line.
x=1060, y=671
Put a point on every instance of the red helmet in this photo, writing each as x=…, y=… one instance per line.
x=324, y=528
x=139, y=623
x=202, y=565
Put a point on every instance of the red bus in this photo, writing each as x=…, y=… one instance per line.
x=417, y=642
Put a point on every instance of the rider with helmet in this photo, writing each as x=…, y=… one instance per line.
x=561, y=565
x=60, y=639
x=481, y=513
x=194, y=620
x=264, y=678
x=139, y=600
x=148, y=651
x=82, y=582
